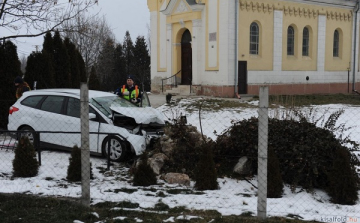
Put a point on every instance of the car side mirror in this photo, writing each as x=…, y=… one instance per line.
x=92, y=116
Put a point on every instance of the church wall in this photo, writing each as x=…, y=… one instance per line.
x=162, y=46
x=291, y=78
x=340, y=20
x=212, y=35
x=300, y=16
x=298, y=61
x=263, y=16
x=222, y=75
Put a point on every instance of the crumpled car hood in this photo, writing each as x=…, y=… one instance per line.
x=142, y=115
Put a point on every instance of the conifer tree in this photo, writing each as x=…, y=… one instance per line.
x=48, y=73
x=48, y=44
x=33, y=67
x=61, y=63
x=128, y=48
x=142, y=62
x=25, y=163
x=74, y=63
x=94, y=83
x=39, y=69
x=105, y=66
x=120, y=65
x=10, y=67
x=48, y=61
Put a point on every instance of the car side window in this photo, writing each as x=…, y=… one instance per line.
x=31, y=101
x=52, y=104
x=73, y=108
x=145, y=102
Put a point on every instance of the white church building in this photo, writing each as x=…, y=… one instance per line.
x=223, y=47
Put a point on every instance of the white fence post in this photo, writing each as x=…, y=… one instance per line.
x=262, y=151
x=85, y=152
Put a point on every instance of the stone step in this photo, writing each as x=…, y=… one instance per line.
x=180, y=90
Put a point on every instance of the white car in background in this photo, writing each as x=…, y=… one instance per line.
x=55, y=114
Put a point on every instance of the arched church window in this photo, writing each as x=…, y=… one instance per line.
x=290, y=41
x=306, y=41
x=336, y=44
x=254, y=38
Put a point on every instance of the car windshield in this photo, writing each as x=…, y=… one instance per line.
x=104, y=103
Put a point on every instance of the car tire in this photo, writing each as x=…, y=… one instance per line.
x=118, y=149
x=29, y=133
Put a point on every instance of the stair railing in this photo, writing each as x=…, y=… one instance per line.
x=173, y=81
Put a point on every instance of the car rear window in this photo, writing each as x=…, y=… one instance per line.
x=31, y=101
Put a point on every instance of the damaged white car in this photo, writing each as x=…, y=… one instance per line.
x=55, y=114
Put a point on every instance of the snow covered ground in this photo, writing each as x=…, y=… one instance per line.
x=233, y=197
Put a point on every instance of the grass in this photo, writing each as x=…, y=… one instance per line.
x=28, y=208
x=289, y=101
x=314, y=99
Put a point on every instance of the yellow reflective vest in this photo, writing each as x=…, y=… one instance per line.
x=133, y=94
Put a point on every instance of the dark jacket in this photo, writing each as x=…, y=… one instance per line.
x=21, y=88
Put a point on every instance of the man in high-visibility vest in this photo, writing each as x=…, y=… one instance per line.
x=129, y=91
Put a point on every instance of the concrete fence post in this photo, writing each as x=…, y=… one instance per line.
x=85, y=152
x=262, y=151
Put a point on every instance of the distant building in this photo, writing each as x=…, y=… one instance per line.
x=221, y=47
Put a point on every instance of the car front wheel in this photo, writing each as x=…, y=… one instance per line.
x=117, y=148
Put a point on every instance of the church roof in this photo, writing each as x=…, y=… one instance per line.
x=192, y=3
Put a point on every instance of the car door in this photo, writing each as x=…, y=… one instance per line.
x=72, y=120
x=49, y=118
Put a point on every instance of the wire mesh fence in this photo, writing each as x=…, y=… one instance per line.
x=302, y=144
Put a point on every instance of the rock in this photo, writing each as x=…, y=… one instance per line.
x=177, y=178
x=243, y=167
x=156, y=162
x=167, y=147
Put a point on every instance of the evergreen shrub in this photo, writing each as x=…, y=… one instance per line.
x=275, y=183
x=205, y=173
x=185, y=153
x=343, y=179
x=303, y=149
x=144, y=174
x=74, y=168
x=25, y=163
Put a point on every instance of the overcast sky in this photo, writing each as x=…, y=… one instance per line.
x=121, y=15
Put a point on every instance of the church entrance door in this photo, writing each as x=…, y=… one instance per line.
x=186, y=59
x=242, y=77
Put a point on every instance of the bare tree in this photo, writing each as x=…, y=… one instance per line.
x=148, y=39
x=23, y=61
x=89, y=35
x=31, y=18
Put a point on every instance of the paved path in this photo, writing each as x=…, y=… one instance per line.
x=156, y=100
